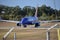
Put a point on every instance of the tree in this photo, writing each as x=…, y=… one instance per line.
x=16, y=13
x=52, y=17
x=43, y=17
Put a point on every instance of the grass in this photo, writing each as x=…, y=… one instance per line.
x=2, y=33
x=29, y=34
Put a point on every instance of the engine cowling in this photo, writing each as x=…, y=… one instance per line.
x=18, y=24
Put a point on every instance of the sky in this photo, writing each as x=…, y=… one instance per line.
x=32, y=3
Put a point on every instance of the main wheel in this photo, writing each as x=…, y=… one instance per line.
x=37, y=25
x=25, y=25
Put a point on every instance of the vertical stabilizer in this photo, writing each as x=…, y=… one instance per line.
x=36, y=11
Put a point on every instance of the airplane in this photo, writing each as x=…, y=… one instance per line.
x=30, y=20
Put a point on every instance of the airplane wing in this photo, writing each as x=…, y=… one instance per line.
x=9, y=21
x=39, y=21
x=49, y=21
x=45, y=21
x=55, y=20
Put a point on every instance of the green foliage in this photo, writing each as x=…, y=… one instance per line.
x=44, y=17
x=16, y=13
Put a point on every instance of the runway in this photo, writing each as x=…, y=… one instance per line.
x=6, y=25
x=29, y=33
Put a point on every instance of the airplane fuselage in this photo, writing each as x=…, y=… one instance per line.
x=29, y=20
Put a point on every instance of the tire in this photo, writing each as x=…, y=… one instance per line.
x=37, y=25
x=24, y=25
x=18, y=24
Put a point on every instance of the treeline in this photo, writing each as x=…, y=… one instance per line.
x=16, y=13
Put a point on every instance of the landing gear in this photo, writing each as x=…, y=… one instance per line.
x=18, y=24
x=24, y=25
x=37, y=25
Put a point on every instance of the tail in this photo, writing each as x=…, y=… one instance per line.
x=36, y=11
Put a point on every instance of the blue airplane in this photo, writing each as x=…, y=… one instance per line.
x=31, y=20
